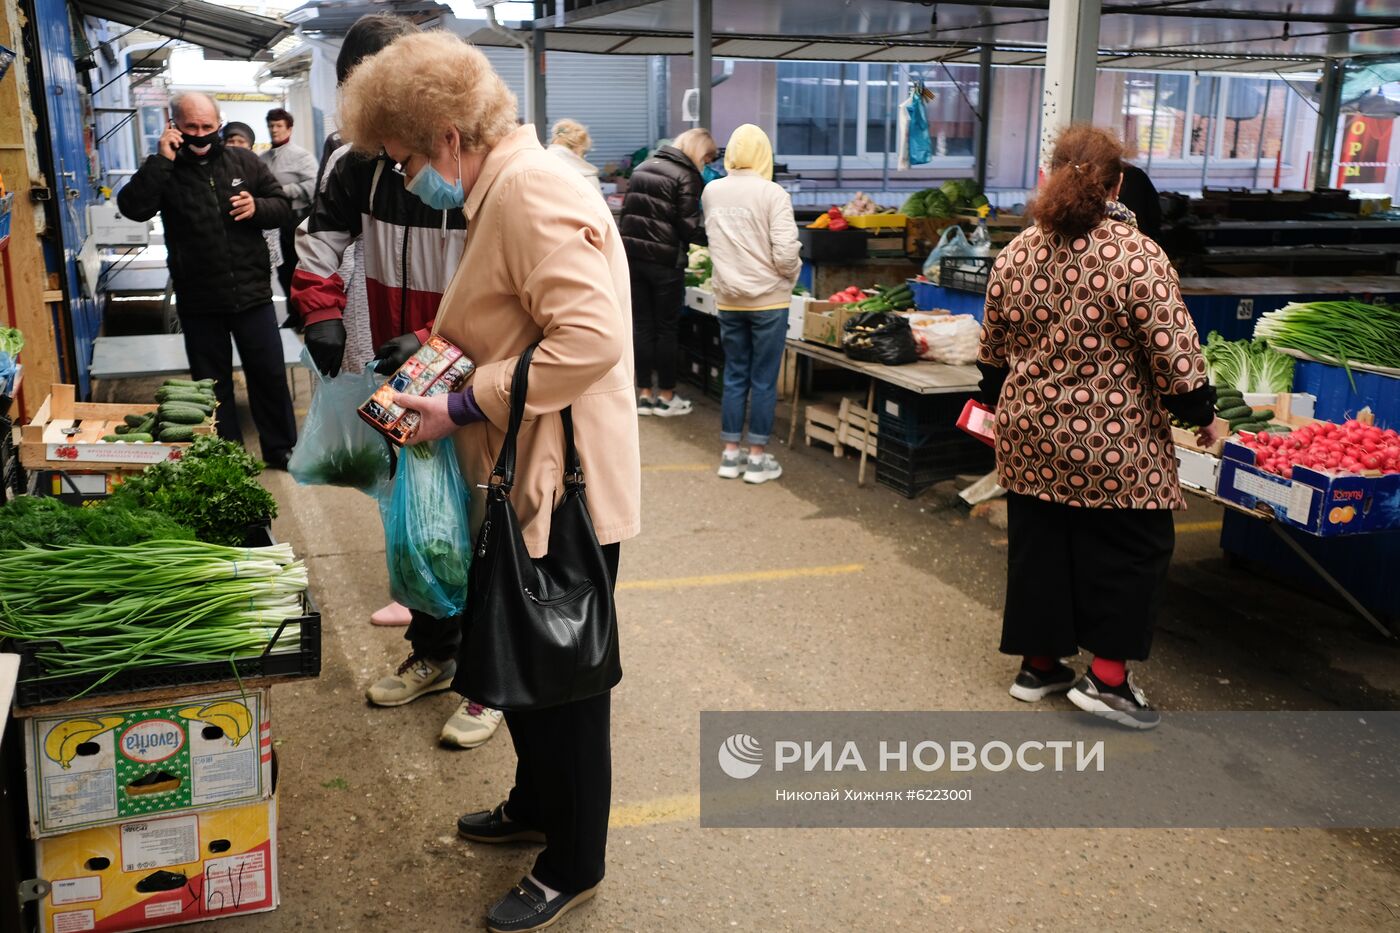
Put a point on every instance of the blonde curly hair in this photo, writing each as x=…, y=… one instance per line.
x=420, y=85
x=572, y=135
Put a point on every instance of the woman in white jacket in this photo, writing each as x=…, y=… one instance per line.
x=571, y=143
x=753, y=244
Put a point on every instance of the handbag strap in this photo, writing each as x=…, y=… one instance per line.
x=519, y=391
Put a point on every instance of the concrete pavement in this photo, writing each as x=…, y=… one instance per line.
x=807, y=593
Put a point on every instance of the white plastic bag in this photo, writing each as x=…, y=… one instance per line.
x=946, y=338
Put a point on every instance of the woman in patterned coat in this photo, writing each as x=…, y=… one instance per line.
x=1087, y=351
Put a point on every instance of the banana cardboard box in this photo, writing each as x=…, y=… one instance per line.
x=108, y=765
x=161, y=872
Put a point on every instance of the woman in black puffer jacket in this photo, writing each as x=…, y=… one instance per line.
x=660, y=219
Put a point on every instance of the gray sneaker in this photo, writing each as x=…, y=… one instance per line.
x=670, y=409
x=731, y=464
x=762, y=469
x=1124, y=704
x=414, y=678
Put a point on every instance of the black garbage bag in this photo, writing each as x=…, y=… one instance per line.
x=879, y=337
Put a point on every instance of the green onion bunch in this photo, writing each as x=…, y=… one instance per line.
x=100, y=610
x=1344, y=332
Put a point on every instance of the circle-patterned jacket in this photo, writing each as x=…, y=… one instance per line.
x=1094, y=332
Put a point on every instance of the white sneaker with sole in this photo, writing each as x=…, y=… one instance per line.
x=415, y=677
x=731, y=464
x=762, y=469
x=472, y=725
x=670, y=409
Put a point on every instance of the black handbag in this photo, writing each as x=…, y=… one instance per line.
x=539, y=632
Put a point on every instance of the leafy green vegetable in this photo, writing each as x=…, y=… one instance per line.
x=101, y=610
x=914, y=205
x=1269, y=370
x=43, y=521
x=937, y=205
x=1345, y=332
x=11, y=340
x=213, y=489
x=359, y=468
x=1247, y=365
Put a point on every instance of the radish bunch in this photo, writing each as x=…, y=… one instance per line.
x=1328, y=448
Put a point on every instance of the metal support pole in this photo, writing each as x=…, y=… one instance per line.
x=984, y=116
x=704, y=68
x=1210, y=132
x=1152, y=126
x=1071, y=63
x=841, y=128
x=890, y=74
x=538, y=104
x=1263, y=128
x=1325, y=143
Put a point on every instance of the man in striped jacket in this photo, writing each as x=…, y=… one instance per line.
x=405, y=253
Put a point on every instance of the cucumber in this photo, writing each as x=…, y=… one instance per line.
x=1264, y=414
x=1238, y=413
x=134, y=438
x=113, y=438
x=173, y=415
x=197, y=398
x=148, y=425
x=176, y=433
x=133, y=420
x=1250, y=427
x=184, y=403
x=127, y=438
x=187, y=384
x=1278, y=429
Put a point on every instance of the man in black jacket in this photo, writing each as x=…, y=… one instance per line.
x=214, y=203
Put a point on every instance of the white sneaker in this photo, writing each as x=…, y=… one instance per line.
x=670, y=409
x=762, y=469
x=731, y=464
x=471, y=725
x=415, y=677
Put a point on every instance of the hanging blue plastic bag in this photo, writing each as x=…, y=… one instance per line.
x=336, y=447
x=920, y=146
x=426, y=539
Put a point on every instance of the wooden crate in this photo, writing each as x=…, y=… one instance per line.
x=921, y=235
x=1282, y=407
x=841, y=427
x=66, y=433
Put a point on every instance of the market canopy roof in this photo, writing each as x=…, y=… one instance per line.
x=218, y=28
x=1190, y=35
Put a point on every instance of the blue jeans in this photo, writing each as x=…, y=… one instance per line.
x=753, y=353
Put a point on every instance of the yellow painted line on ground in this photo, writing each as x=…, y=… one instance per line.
x=682, y=809
x=1190, y=528
x=677, y=467
x=753, y=576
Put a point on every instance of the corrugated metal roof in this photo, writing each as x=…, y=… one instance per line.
x=231, y=32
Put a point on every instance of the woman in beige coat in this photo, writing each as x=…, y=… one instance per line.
x=543, y=262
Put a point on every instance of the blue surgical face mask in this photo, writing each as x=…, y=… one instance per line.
x=435, y=191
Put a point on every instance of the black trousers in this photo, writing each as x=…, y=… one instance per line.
x=434, y=639
x=288, y=236
x=563, y=781
x=1083, y=578
x=209, y=342
x=658, y=293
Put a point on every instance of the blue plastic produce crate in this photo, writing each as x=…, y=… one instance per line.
x=1338, y=401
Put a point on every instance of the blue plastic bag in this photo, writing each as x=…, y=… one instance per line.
x=920, y=146
x=336, y=447
x=952, y=244
x=426, y=539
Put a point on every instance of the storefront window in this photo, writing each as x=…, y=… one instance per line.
x=1176, y=116
x=810, y=107
x=952, y=122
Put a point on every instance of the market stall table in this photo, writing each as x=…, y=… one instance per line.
x=923, y=378
x=1311, y=562
x=164, y=355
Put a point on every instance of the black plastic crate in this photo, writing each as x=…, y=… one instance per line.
x=305, y=661
x=11, y=471
x=909, y=470
x=966, y=273
x=910, y=418
x=694, y=369
x=714, y=379
x=832, y=245
x=691, y=334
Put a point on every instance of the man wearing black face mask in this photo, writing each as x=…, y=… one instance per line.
x=214, y=202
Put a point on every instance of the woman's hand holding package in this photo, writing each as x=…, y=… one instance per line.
x=436, y=421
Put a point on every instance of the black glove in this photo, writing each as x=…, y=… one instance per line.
x=394, y=353
x=325, y=341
